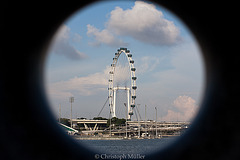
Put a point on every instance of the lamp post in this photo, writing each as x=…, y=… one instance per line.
x=59, y=113
x=139, y=126
x=110, y=123
x=156, y=121
x=71, y=100
x=145, y=119
x=126, y=117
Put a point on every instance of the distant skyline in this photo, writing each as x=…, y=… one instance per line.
x=170, y=72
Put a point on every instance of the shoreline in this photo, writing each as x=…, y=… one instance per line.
x=98, y=138
x=114, y=138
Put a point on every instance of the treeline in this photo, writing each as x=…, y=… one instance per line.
x=114, y=120
x=65, y=121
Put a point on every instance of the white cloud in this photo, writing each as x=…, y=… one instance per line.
x=144, y=23
x=184, y=109
x=148, y=64
x=62, y=46
x=83, y=86
x=103, y=37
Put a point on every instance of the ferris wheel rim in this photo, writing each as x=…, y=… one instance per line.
x=133, y=88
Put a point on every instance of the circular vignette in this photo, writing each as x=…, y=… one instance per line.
x=201, y=141
x=189, y=28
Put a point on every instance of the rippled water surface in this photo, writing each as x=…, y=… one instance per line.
x=133, y=146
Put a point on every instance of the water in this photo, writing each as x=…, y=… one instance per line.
x=133, y=146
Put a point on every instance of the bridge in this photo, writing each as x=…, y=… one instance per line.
x=150, y=128
x=134, y=128
x=68, y=129
x=89, y=127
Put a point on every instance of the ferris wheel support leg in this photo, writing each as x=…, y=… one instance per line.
x=129, y=117
x=114, y=104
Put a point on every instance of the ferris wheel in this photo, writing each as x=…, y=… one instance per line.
x=131, y=91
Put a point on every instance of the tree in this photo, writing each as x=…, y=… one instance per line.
x=116, y=121
x=99, y=118
x=82, y=118
x=65, y=121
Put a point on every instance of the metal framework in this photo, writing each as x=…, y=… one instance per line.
x=131, y=92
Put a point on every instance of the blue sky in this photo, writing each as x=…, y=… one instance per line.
x=169, y=66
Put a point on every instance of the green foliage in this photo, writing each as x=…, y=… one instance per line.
x=99, y=118
x=65, y=121
x=116, y=121
x=82, y=118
